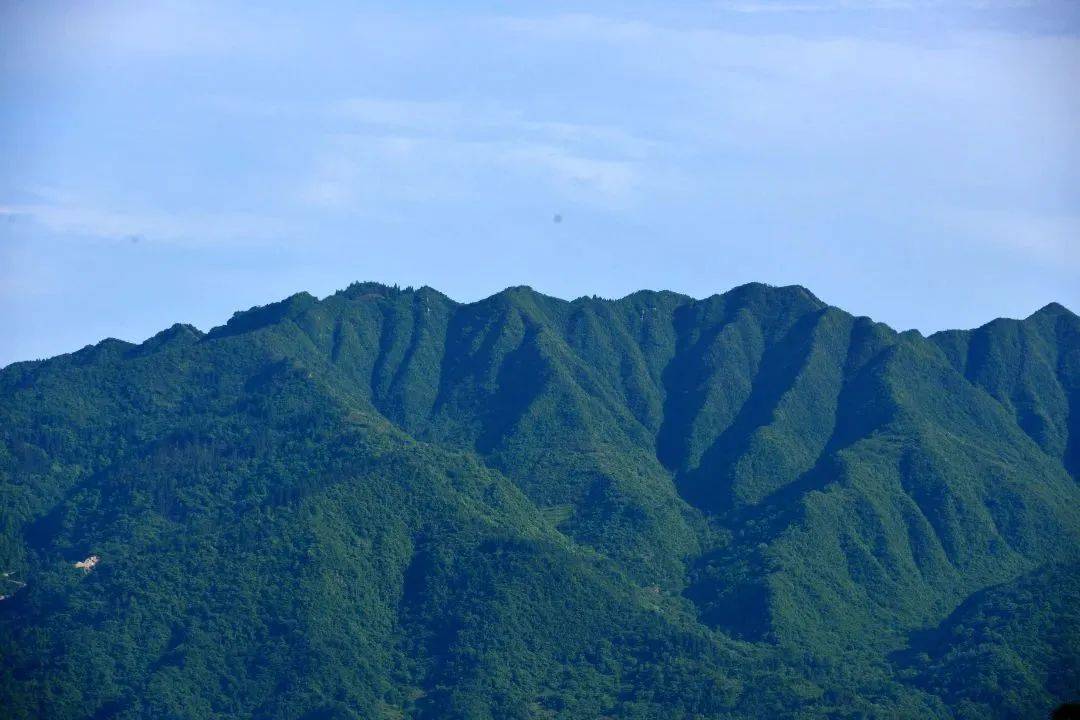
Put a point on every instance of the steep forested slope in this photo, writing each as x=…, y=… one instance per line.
x=389, y=504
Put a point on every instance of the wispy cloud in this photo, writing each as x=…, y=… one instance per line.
x=831, y=6
x=194, y=229
x=161, y=30
x=1042, y=237
x=371, y=173
x=432, y=150
x=486, y=119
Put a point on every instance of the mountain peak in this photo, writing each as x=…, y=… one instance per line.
x=1052, y=310
x=764, y=290
x=263, y=315
x=176, y=333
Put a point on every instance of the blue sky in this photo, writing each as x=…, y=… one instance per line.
x=915, y=161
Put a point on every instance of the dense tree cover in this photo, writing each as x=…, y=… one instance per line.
x=386, y=504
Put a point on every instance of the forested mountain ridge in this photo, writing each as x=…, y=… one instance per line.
x=389, y=504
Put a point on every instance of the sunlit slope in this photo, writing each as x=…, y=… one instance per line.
x=386, y=503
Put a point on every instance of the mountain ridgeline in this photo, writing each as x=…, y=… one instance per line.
x=387, y=504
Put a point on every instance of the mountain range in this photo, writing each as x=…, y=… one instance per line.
x=388, y=504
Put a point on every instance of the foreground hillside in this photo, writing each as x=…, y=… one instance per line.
x=387, y=504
